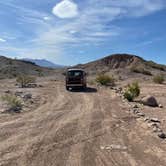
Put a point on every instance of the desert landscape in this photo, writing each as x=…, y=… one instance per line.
x=82, y=83
x=95, y=127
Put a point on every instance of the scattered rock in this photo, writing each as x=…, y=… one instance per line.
x=146, y=119
x=141, y=114
x=32, y=85
x=120, y=89
x=152, y=125
x=163, y=120
x=160, y=106
x=162, y=135
x=102, y=147
x=8, y=91
x=18, y=93
x=155, y=120
x=31, y=101
x=27, y=96
x=40, y=86
x=156, y=129
x=117, y=90
x=150, y=101
x=135, y=111
x=113, y=147
x=135, y=106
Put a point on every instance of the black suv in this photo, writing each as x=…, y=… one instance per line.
x=75, y=78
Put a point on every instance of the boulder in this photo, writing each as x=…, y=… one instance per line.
x=150, y=101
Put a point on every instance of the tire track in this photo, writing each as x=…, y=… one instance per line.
x=69, y=128
x=90, y=148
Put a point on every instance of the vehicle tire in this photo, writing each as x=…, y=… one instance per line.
x=84, y=87
x=67, y=88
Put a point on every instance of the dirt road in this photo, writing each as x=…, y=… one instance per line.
x=92, y=128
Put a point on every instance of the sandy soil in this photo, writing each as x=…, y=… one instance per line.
x=92, y=128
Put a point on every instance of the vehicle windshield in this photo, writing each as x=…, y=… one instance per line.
x=75, y=73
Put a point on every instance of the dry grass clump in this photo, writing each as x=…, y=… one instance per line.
x=103, y=79
x=132, y=91
x=13, y=102
x=24, y=80
x=159, y=79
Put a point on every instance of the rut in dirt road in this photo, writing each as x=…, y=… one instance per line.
x=76, y=129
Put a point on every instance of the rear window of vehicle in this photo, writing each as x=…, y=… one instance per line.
x=75, y=73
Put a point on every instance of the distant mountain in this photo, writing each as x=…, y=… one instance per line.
x=10, y=68
x=43, y=63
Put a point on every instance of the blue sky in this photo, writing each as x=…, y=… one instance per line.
x=77, y=31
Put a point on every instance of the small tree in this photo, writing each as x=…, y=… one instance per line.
x=105, y=80
x=12, y=101
x=24, y=80
x=159, y=79
x=132, y=91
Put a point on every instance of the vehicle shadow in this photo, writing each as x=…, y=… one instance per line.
x=87, y=90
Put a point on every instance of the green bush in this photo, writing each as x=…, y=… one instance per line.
x=12, y=101
x=159, y=79
x=132, y=91
x=128, y=96
x=105, y=80
x=24, y=80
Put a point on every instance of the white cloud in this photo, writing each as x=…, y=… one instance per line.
x=46, y=18
x=129, y=8
x=2, y=40
x=65, y=9
x=92, y=24
x=149, y=42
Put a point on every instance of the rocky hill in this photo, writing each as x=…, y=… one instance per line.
x=125, y=64
x=10, y=68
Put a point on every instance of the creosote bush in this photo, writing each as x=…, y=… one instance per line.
x=24, y=80
x=103, y=79
x=12, y=101
x=132, y=91
x=159, y=79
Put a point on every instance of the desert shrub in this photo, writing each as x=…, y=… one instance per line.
x=12, y=101
x=141, y=70
x=105, y=79
x=132, y=91
x=24, y=80
x=40, y=73
x=159, y=79
x=128, y=96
